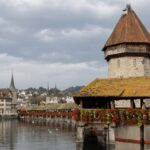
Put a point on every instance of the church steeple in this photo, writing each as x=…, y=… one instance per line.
x=12, y=84
x=13, y=89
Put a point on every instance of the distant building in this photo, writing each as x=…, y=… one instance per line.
x=6, y=106
x=52, y=99
x=69, y=99
x=52, y=96
x=56, y=96
x=8, y=100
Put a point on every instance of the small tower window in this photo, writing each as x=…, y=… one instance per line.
x=134, y=62
x=118, y=63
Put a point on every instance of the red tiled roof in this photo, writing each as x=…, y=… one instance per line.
x=4, y=93
x=129, y=29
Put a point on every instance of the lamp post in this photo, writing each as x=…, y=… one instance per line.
x=143, y=107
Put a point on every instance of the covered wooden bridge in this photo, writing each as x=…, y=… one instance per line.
x=101, y=93
x=97, y=102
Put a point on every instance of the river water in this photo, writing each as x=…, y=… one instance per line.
x=17, y=135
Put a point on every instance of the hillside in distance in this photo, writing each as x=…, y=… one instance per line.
x=53, y=91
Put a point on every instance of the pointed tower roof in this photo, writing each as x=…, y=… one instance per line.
x=55, y=86
x=48, y=89
x=129, y=29
x=12, y=84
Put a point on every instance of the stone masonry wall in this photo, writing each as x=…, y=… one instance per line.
x=128, y=67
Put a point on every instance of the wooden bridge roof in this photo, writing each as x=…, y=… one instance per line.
x=68, y=106
x=56, y=106
x=116, y=87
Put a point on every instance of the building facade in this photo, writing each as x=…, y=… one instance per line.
x=6, y=106
x=8, y=100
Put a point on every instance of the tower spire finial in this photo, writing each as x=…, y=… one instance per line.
x=128, y=7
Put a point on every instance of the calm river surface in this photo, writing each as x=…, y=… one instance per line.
x=17, y=135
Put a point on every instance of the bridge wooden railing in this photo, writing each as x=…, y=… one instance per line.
x=104, y=116
x=46, y=114
x=115, y=116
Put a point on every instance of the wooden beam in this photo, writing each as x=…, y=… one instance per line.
x=141, y=102
x=132, y=103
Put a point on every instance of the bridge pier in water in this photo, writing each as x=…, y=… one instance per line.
x=95, y=134
x=119, y=138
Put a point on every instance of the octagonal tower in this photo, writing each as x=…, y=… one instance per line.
x=127, y=50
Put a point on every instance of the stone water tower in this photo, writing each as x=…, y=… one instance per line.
x=127, y=50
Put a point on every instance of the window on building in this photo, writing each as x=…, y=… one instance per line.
x=118, y=63
x=134, y=62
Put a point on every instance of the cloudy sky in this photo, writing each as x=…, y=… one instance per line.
x=58, y=41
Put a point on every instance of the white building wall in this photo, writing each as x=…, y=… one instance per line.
x=6, y=107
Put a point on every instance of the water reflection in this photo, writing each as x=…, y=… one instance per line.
x=18, y=135
x=91, y=141
x=8, y=135
x=15, y=135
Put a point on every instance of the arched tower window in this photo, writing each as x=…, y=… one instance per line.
x=134, y=62
x=118, y=63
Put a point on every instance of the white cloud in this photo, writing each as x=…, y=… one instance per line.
x=24, y=3
x=64, y=34
x=99, y=8
x=49, y=35
x=13, y=30
x=5, y=59
x=36, y=74
x=55, y=55
x=94, y=7
x=46, y=35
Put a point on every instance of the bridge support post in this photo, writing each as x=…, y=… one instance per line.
x=80, y=132
x=142, y=137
